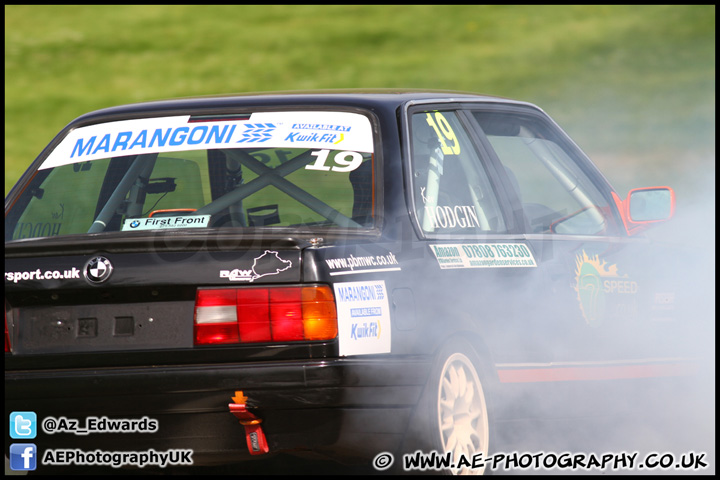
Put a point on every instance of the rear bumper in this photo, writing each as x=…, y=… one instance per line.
x=344, y=408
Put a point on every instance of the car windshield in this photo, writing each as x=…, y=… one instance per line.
x=294, y=169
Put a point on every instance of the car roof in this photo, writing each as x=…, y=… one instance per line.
x=367, y=98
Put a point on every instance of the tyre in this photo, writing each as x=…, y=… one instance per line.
x=453, y=414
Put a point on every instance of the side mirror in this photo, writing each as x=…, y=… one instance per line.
x=646, y=206
x=650, y=205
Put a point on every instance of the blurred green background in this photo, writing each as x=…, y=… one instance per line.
x=633, y=85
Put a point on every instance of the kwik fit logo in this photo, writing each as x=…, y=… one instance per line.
x=365, y=330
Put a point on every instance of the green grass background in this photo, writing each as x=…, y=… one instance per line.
x=633, y=85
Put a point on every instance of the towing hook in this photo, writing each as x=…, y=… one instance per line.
x=254, y=435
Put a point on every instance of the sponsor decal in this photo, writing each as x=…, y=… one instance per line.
x=39, y=274
x=257, y=132
x=483, y=255
x=269, y=263
x=321, y=127
x=180, y=133
x=366, y=264
x=97, y=270
x=366, y=312
x=315, y=137
x=596, y=283
x=363, y=318
x=192, y=221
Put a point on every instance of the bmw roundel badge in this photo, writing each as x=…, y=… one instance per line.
x=97, y=270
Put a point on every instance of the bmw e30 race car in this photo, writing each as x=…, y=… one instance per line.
x=339, y=273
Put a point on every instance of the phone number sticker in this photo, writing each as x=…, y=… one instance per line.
x=483, y=255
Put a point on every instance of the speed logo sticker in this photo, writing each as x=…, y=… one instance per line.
x=483, y=255
x=363, y=317
x=602, y=291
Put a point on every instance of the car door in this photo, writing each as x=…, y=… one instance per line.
x=530, y=249
x=602, y=291
x=483, y=277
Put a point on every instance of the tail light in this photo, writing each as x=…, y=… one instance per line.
x=264, y=314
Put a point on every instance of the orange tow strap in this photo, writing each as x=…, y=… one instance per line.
x=254, y=435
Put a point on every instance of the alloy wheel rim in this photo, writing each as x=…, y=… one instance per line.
x=462, y=411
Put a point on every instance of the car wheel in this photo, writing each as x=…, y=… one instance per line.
x=462, y=413
x=454, y=415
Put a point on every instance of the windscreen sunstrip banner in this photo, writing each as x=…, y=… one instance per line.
x=296, y=129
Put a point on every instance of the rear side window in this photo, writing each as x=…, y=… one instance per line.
x=261, y=170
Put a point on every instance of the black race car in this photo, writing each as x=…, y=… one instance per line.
x=338, y=274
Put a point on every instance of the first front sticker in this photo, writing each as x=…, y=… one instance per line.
x=363, y=317
x=193, y=221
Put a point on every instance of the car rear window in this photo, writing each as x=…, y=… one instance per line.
x=294, y=169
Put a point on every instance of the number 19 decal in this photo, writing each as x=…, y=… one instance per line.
x=341, y=159
x=444, y=131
